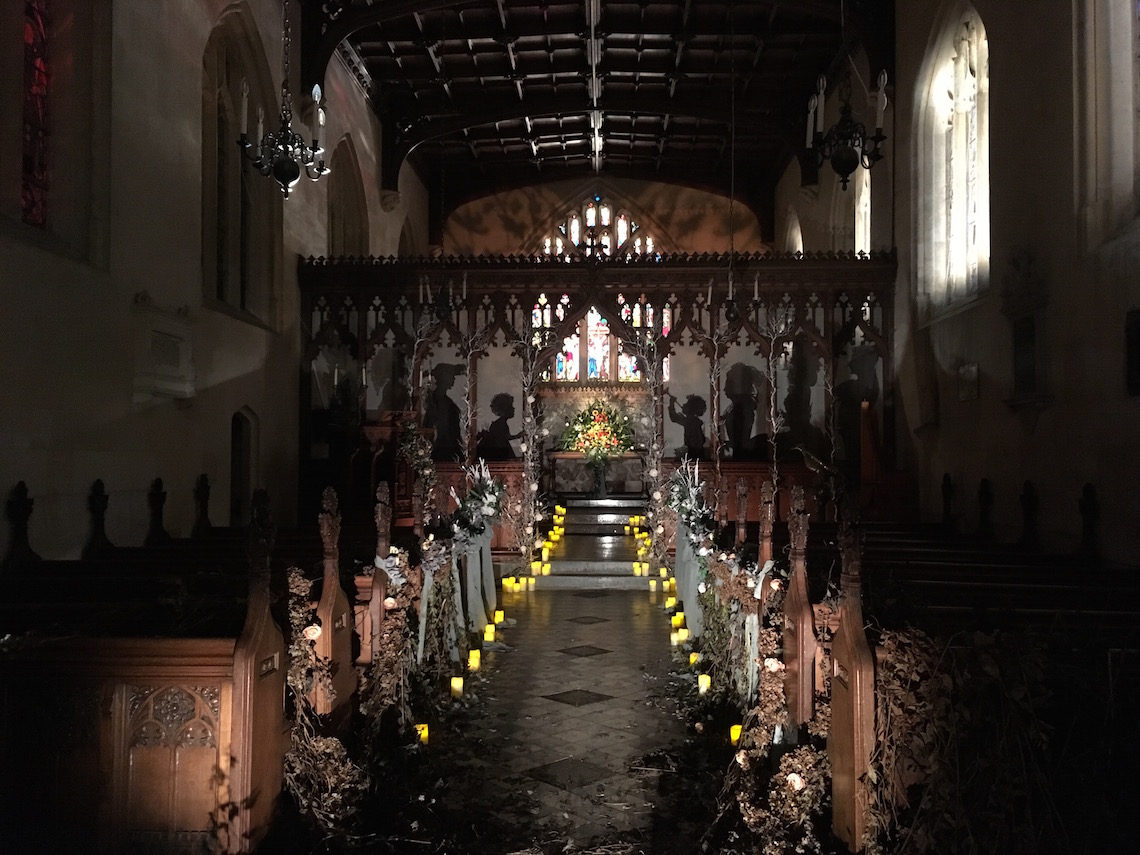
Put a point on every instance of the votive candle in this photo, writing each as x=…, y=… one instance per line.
x=457, y=687
x=704, y=682
x=422, y=733
x=499, y=616
x=473, y=660
x=734, y=734
x=489, y=632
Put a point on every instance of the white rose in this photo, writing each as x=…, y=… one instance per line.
x=530, y=399
x=529, y=529
x=723, y=557
x=660, y=529
x=522, y=447
x=545, y=432
x=393, y=550
x=652, y=473
x=538, y=517
x=701, y=588
x=534, y=488
x=657, y=495
x=796, y=782
x=703, y=551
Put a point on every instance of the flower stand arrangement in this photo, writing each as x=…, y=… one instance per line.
x=600, y=433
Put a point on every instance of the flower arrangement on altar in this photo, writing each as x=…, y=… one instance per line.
x=480, y=507
x=599, y=432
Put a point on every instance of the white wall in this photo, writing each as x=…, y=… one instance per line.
x=71, y=412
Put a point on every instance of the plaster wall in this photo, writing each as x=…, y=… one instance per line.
x=1085, y=426
x=680, y=219
x=79, y=314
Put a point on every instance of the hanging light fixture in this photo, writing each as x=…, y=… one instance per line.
x=284, y=154
x=846, y=145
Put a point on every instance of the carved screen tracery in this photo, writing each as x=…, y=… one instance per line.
x=597, y=227
x=34, y=188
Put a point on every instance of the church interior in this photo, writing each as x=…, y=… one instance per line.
x=356, y=347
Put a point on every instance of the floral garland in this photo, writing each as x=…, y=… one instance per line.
x=687, y=498
x=797, y=793
x=416, y=449
x=599, y=432
x=328, y=786
x=386, y=683
x=524, y=514
x=480, y=507
x=442, y=614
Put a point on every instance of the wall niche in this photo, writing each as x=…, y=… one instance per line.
x=1023, y=301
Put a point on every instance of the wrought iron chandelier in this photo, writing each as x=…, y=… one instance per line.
x=846, y=145
x=283, y=154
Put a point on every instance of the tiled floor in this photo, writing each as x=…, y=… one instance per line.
x=568, y=710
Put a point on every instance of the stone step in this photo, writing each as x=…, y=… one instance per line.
x=617, y=504
x=588, y=582
x=591, y=568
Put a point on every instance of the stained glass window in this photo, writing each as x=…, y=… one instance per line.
x=34, y=187
x=596, y=227
x=597, y=346
x=566, y=363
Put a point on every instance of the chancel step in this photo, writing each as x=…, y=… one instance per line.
x=594, y=552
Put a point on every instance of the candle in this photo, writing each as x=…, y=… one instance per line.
x=670, y=602
x=473, y=660
x=677, y=620
x=680, y=617
x=530, y=583
x=663, y=572
x=260, y=125
x=499, y=616
x=704, y=682
x=881, y=100
x=320, y=129
x=694, y=658
x=456, y=687
x=811, y=120
x=682, y=635
x=545, y=569
x=734, y=734
x=244, y=115
x=821, y=88
x=545, y=554
x=489, y=632
x=535, y=568
x=673, y=638
x=653, y=584
x=627, y=529
x=422, y=733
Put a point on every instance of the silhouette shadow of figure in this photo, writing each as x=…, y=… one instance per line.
x=494, y=443
x=690, y=418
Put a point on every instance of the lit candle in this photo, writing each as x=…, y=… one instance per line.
x=499, y=616
x=653, y=584
x=677, y=620
x=473, y=660
x=489, y=632
x=535, y=568
x=545, y=554
x=704, y=682
x=530, y=583
x=260, y=125
x=670, y=602
x=456, y=687
x=682, y=635
x=694, y=658
x=680, y=616
x=422, y=733
x=320, y=130
x=664, y=572
x=734, y=734
x=627, y=529
x=673, y=638
x=545, y=569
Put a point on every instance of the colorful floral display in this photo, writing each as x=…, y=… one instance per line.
x=599, y=432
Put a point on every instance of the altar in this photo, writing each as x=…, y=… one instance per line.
x=571, y=472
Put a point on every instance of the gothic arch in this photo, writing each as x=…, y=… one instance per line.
x=347, y=207
x=951, y=133
x=241, y=212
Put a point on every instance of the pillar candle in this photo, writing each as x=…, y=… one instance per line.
x=694, y=658
x=456, y=687
x=473, y=660
x=489, y=632
x=653, y=584
x=499, y=616
x=734, y=734
x=704, y=681
x=530, y=584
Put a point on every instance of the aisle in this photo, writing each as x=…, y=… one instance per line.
x=569, y=710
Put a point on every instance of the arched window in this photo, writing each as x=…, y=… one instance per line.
x=241, y=211
x=955, y=165
x=597, y=227
x=594, y=354
x=348, y=210
x=34, y=180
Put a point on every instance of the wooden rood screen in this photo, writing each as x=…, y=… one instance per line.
x=386, y=334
